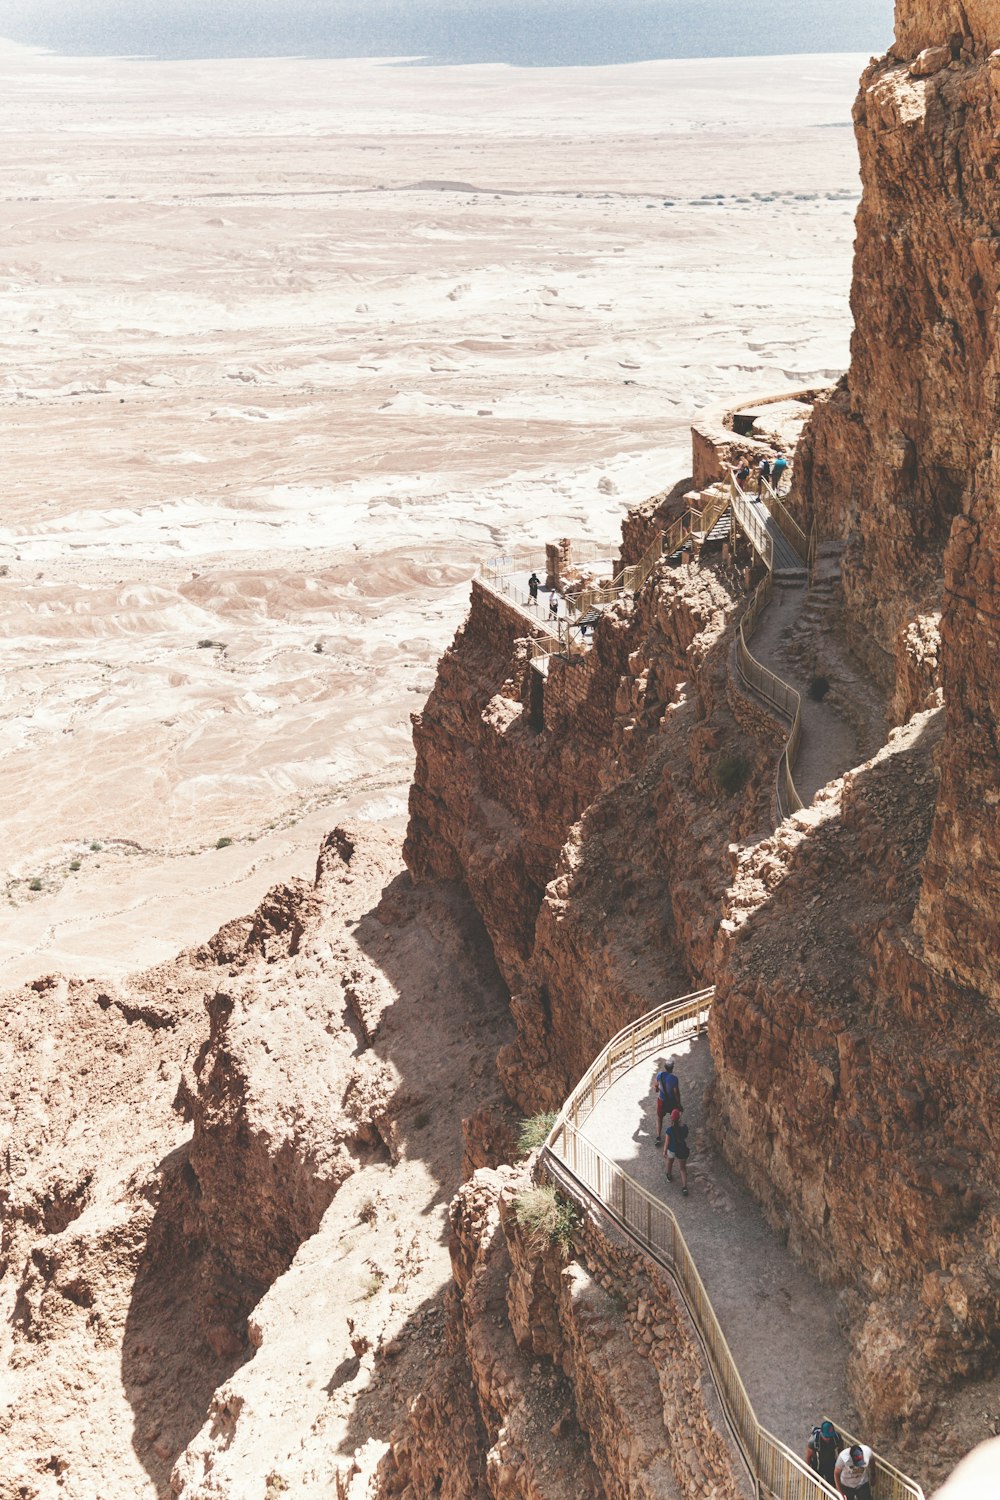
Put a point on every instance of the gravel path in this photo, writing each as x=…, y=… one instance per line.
x=780, y=1322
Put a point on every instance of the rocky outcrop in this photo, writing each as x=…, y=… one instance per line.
x=224, y=1189
x=586, y=1372
x=593, y=835
x=867, y=1040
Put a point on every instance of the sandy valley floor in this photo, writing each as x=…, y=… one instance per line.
x=286, y=347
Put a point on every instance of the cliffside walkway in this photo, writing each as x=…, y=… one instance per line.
x=767, y=1329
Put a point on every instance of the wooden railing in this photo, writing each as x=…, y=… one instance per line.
x=580, y=1168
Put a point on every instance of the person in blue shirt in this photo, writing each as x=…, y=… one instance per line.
x=676, y=1149
x=668, y=1093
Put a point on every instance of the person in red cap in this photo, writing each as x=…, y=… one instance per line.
x=853, y=1473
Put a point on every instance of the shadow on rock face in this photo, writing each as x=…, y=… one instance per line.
x=186, y=1328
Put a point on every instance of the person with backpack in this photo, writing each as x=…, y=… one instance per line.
x=668, y=1093
x=743, y=471
x=676, y=1149
x=823, y=1449
x=763, y=475
x=533, y=584
x=778, y=467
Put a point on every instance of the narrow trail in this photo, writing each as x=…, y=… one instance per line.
x=829, y=744
x=780, y=1322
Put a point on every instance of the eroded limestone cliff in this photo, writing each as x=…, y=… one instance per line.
x=855, y=1034
x=891, y=1008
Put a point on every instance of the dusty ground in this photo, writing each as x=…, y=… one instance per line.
x=286, y=347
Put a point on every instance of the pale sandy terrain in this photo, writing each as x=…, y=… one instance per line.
x=287, y=346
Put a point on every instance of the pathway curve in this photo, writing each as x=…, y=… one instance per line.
x=829, y=744
x=780, y=1322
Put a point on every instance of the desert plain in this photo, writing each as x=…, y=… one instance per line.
x=289, y=346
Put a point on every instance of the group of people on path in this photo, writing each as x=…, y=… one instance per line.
x=848, y=1469
x=534, y=584
x=770, y=470
x=673, y=1137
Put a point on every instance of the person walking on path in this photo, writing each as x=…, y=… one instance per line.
x=533, y=583
x=852, y=1473
x=553, y=605
x=742, y=472
x=676, y=1149
x=668, y=1093
x=822, y=1450
x=778, y=468
x=763, y=475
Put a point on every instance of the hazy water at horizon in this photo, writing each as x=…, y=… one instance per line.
x=525, y=33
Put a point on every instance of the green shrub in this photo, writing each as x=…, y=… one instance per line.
x=534, y=1132
x=95, y=848
x=206, y=643
x=818, y=688
x=74, y=864
x=35, y=884
x=731, y=773
x=546, y=1217
x=223, y=843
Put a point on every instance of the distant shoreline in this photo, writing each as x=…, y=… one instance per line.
x=14, y=51
x=525, y=34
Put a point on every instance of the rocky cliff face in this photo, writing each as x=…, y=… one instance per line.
x=593, y=835
x=870, y=1048
x=586, y=1374
x=856, y=1033
x=224, y=1190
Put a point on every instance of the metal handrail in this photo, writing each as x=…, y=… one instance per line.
x=751, y=524
x=786, y=699
x=530, y=559
x=778, y=1473
x=786, y=522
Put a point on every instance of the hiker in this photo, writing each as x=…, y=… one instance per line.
x=822, y=1450
x=743, y=472
x=553, y=605
x=668, y=1093
x=676, y=1149
x=763, y=475
x=778, y=468
x=533, y=583
x=852, y=1473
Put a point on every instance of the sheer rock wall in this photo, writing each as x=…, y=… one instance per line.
x=869, y=1054
x=593, y=838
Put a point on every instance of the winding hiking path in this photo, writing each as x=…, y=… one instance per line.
x=829, y=745
x=779, y=1321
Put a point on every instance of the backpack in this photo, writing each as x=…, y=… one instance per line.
x=836, y=1443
